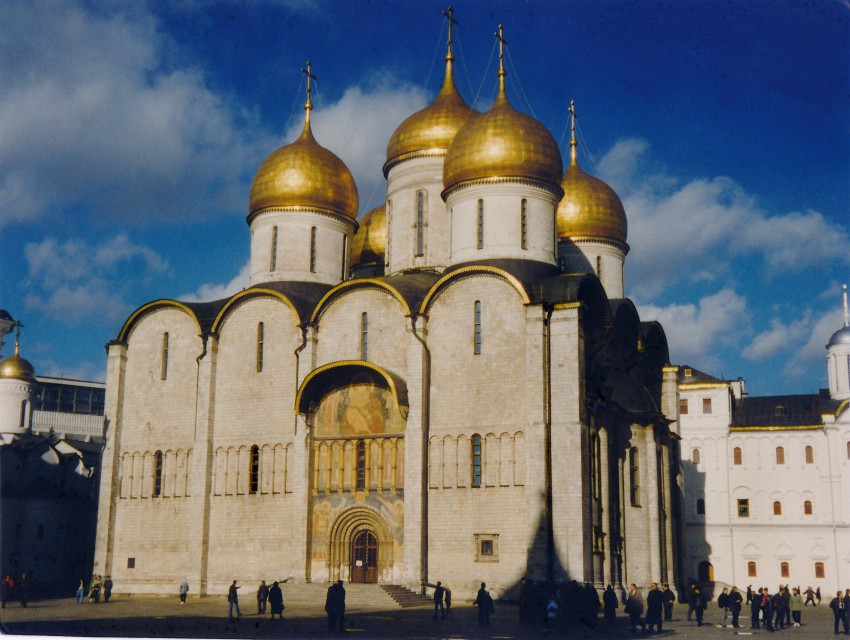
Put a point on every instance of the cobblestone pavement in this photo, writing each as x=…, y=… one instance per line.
x=152, y=617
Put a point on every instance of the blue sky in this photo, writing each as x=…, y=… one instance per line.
x=130, y=132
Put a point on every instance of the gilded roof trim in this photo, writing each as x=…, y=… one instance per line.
x=150, y=307
x=465, y=272
x=694, y=386
x=336, y=215
x=410, y=155
x=610, y=242
x=358, y=282
x=796, y=427
x=250, y=293
x=551, y=187
x=390, y=379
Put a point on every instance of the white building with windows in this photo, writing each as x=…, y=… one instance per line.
x=444, y=389
x=767, y=479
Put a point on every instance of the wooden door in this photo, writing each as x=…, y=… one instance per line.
x=364, y=558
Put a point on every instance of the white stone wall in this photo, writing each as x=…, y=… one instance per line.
x=15, y=406
x=584, y=255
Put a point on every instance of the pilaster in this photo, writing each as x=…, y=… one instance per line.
x=605, y=498
x=538, y=522
x=653, y=513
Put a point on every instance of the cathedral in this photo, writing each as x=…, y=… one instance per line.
x=450, y=387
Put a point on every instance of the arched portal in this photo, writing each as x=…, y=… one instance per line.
x=364, y=557
x=362, y=547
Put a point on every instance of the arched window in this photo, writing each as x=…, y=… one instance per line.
x=807, y=507
x=312, y=249
x=777, y=508
x=420, y=223
x=364, y=336
x=157, y=474
x=780, y=455
x=705, y=571
x=736, y=456
x=634, y=476
x=784, y=570
x=810, y=454
x=523, y=224
x=22, y=420
x=480, y=224
x=700, y=507
x=476, y=460
x=273, y=261
x=820, y=570
x=752, y=570
x=344, y=269
x=477, y=338
x=695, y=458
x=599, y=267
x=164, y=373
x=361, y=465
x=261, y=335
x=254, y=470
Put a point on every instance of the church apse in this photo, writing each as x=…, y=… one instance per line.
x=357, y=483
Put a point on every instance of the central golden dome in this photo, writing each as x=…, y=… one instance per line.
x=16, y=368
x=589, y=208
x=502, y=143
x=304, y=175
x=431, y=130
x=369, y=244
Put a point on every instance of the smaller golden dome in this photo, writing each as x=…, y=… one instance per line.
x=589, y=208
x=16, y=368
x=431, y=130
x=369, y=244
x=304, y=175
x=502, y=143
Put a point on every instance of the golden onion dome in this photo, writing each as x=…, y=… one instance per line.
x=304, y=175
x=502, y=143
x=16, y=368
x=430, y=131
x=369, y=244
x=589, y=208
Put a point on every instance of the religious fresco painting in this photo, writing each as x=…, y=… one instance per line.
x=358, y=410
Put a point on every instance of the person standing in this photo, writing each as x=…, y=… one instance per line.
x=184, y=590
x=755, y=611
x=262, y=597
x=669, y=601
x=634, y=607
x=438, y=600
x=810, y=597
x=698, y=604
x=81, y=591
x=107, y=589
x=448, y=599
x=723, y=603
x=735, y=601
x=233, y=600
x=276, y=600
x=610, y=604
x=654, y=604
x=796, y=606
x=839, y=611
x=485, y=605
x=749, y=593
x=24, y=590
x=94, y=596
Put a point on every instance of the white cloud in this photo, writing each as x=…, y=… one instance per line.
x=811, y=353
x=87, y=371
x=94, y=113
x=695, y=331
x=709, y=226
x=780, y=337
x=73, y=280
x=209, y=292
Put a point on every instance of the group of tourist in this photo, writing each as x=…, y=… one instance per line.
x=10, y=589
x=97, y=586
x=558, y=606
x=659, y=607
x=270, y=598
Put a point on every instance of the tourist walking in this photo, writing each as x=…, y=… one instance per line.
x=184, y=591
x=262, y=597
x=438, y=600
x=276, y=600
x=485, y=605
x=810, y=597
x=233, y=600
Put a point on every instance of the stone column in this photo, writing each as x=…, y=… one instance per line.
x=651, y=484
x=302, y=469
x=668, y=522
x=202, y=467
x=110, y=469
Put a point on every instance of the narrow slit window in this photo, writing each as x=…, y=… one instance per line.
x=777, y=508
x=344, y=268
x=481, y=224
x=780, y=455
x=273, y=265
x=476, y=461
x=254, y=471
x=743, y=508
x=477, y=338
x=737, y=457
x=420, y=223
x=157, y=474
x=807, y=507
x=524, y=223
x=164, y=373
x=634, y=476
x=312, y=249
x=810, y=454
x=695, y=457
x=261, y=337
x=364, y=336
x=599, y=267
x=361, y=465
x=700, y=507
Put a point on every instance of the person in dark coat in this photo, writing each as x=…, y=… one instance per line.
x=335, y=607
x=839, y=611
x=735, y=600
x=609, y=600
x=698, y=604
x=485, y=605
x=233, y=600
x=6, y=590
x=276, y=600
x=654, y=603
x=755, y=608
x=448, y=603
x=24, y=590
x=669, y=601
x=262, y=597
x=767, y=610
x=107, y=589
x=438, y=600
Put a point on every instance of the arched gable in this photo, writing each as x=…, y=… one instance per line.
x=249, y=294
x=467, y=272
x=350, y=285
x=139, y=314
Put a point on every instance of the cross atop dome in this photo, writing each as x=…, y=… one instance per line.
x=502, y=73
x=308, y=106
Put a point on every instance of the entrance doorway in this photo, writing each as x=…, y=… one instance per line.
x=364, y=558
x=705, y=572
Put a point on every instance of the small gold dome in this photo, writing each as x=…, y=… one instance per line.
x=502, y=143
x=431, y=130
x=303, y=175
x=16, y=368
x=589, y=208
x=369, y=244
